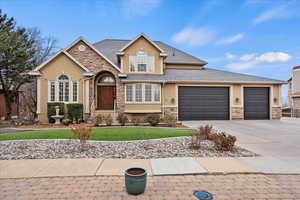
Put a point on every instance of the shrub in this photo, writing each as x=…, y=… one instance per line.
x=205, y=131
x=170, y=119
x=223, y=141
x=66, y=122
x=153, y=120
x=196, y=140
x=52, y=111
x=122, y=119
x=108, y=120
x=136, y=121
x=82, y=133
x=75, y=111
x=98, y=119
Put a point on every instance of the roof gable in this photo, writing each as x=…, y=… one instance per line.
x=36, y=71
x=94, y=49
x=109, y=47
x=136, y=38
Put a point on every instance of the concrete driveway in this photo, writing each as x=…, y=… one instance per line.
x=264, y=137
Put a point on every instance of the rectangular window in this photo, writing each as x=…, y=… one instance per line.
x=75, y=91
x=129, y=96
x=52, y=90
x=143, y=93
x=142, y=68
x=61, y=91
x=66, y=95
x=157, y=93
x=148, y=93
x=138, y=93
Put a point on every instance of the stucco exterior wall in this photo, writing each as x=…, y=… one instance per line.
x=59, y=65
x=144, y=45
x=143, y=107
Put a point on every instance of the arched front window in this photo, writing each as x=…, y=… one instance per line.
x=106, y=79
x=63, y=89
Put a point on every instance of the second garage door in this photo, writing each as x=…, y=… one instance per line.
x=203, y=103
x=256, y=103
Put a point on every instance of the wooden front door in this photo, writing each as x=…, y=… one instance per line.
x=106, y=95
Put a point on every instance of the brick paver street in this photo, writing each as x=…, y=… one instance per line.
x=231, y=187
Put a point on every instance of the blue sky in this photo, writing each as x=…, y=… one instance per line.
x=259, y=37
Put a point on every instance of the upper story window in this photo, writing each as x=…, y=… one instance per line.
x=63, y=90
x=141, y=62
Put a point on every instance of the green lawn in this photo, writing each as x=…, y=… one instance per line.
x=106, y=134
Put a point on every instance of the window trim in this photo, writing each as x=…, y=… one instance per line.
x=70, y=90
x=143, y=94
x=136, y=62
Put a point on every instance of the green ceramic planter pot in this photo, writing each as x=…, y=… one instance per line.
x=135, y=180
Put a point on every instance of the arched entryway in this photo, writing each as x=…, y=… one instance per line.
x=105, y=91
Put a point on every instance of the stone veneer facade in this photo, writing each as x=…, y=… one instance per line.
x=276, y=112
x=96, y=64
x=296, y=107
x=237, y=113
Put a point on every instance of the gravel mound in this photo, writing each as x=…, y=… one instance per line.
x=156, y=148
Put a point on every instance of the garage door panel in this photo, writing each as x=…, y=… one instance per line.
x=203, y=103
x=256, y=103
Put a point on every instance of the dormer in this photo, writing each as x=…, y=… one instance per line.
x=141, y=56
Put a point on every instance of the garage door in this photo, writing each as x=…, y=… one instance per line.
x=256, y=103
x=203, y=103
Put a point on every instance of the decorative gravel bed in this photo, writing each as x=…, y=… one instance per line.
x=156, y=148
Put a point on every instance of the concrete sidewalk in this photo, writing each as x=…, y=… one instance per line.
x=155, y=167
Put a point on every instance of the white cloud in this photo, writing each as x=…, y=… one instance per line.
x=270, y=14
x=230, y=56
x=247, y=57
x=231, y=39
x=251, y=61
x=133, y=8
x=274, y=57
x=194, y=36
x=240, y=66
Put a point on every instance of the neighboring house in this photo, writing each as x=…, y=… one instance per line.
x=141, y=77
x=294, y=93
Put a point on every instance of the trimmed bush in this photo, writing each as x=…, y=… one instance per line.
x=223, y=141
x=51, y=110
x=153, y=120
x=75, y=111
x=122, y=119
x=170, y=119
x=98, y=119
x=136, y=121
x=108, y=120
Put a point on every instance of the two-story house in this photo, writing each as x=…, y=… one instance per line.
x=140, y=77
x=294, y=93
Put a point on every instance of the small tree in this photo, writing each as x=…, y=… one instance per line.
x=16, y=59
x=20, y=51
x=83, y=133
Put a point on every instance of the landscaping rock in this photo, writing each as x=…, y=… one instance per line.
x=143, y=149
